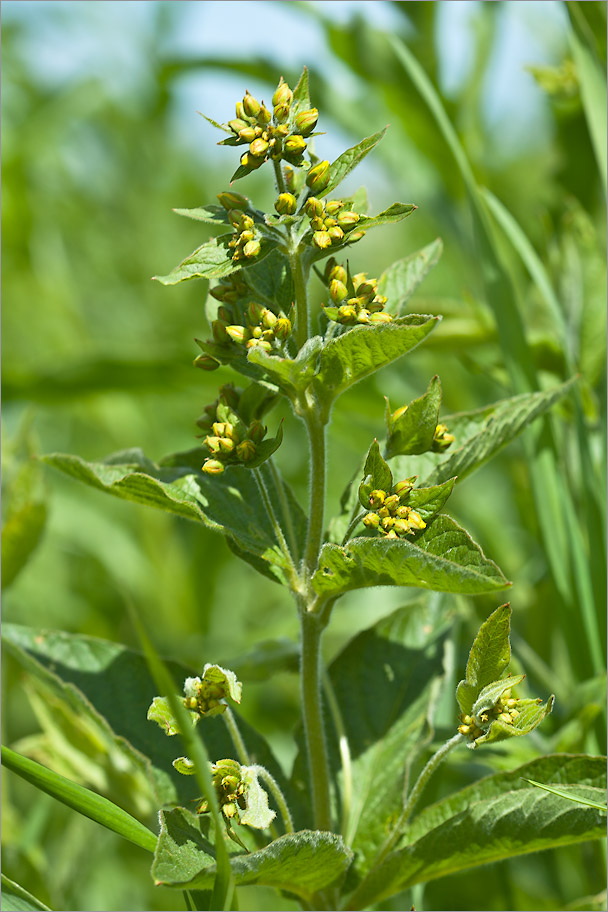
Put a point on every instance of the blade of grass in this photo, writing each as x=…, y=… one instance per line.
x=80, y=799
x=223, y=888
x=567, y=795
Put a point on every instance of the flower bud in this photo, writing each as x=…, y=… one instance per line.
x=250, y=161
x=348, y=219
x=237, y=334
x=401, y=526
x=218, y=328
x=212, y=467
x=321, y=239
x=224, y=314
x=403, y=488
x=286, y=204
x=281, y=112
x=246, y=236
x=415, y=520
x=314, y=207
x=241, y=113
x=331, y=313
x=248, y=134
x=252, y=249
x=339, y=273
x=237, y=125
x=259, y=148
x=377, y=498
x=392, y=502
x=260, y=343
x=356, y=236
x=380, y=318
x=335, y=234
x=255, y=312
x=306, y=121
x=226, y=445
x=282, y=329
x=283, y=94
x=371, y=520
x=337, y=291
x=269, y=319
x=388, y=522
x=256, y=431
x=332, y=207
x=347, y=313
x=230, y=200
x=264, y=115
x=294, y=145
x=212, y=443
x=318, y=177
x=246, y=450
x=251, y=105
x=206, y=363
x=366, y=289
x=441, y=439
x=363, y=316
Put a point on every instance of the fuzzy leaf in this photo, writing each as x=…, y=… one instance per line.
x=429, y=501
x=271, y=281
x=212, y=260
x=492, y=692
x=489, y=657
x=291, y=374
x=395, y=213
x=443, y=557
x=362, y=350
x=211, y=215
x=229, y=503
x=412, y=431
x=497, y=818
x=301, y=863
x=379, y=474
x=160, y=712
x=301, y=96
x=257, y=813
x=345, y=163
x=399, y=281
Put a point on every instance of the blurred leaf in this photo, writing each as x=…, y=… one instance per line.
x=362, y=350
x=443, y=557
x=80, y=799
x=345, y=163
x=20, y=535
x=23, y=502
x=211, y=215
x=497, y=818
x=182, y=849
x=489, y=656
x=15, y=899
x=267, y=658
x=412, y=432
x=592, y=83
x=399, y=281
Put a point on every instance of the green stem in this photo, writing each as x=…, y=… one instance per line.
x=397, y=830
x=280, y=178
x=237, y=740
x=277, y=794
x=299, y=278
x=275, y=525
x=312, y=716
x=314, y=538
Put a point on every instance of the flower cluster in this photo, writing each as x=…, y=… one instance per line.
x=504, y=709
x=252, y=325
x=330, y=221
x=442, y=439
x=390, y=515
x=232, y=443
x=230, y=788
x=244, y=243
x=276, y=136
x=205, y=695
x=355, y=298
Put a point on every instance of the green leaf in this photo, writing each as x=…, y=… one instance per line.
x=182, y=849
x=382, y=681
x=113, y=686
x=497, y=818
x=531, y=714
x=479, y=435
x=229, y=503
x=429, y=501
x=443, y=558
x=257, y=813
x=413, y=430
x=379, y=474
x=15, y=899
x=489, y=694
x=489, y=657
x=211, y=215
x=291, y=374
x=21, y=534
x=80, y=799
x=160, y=712
x=592, y=82
x=212, y=260
x=362, y=350
x=301, y=863
x=399, y=281
x=395, y=213
x=569, y=795
x=345, y=163
x=271, y=281
x=301, y=96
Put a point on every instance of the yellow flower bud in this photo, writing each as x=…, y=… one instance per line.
x=212, y=467
x=371, y=520
x=348, y=220
x=251, y=249
x=314, y=207
x=306, y=121
x=283, y=94
x=206, y=363
x=251, y=105
x=230, y=200
x=294, y=145
x=377, y=498
x=246, y=450
x=282, y=328
x=321, y=239
x=259, y=147
x=286, y=204
x=318, y=177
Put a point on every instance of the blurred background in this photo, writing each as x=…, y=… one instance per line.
x=101, y=139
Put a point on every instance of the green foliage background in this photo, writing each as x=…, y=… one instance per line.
x=98, y=358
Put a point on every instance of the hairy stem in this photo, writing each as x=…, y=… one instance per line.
x=279, y=177
x=237, y=740
x=277, y=794
x=312, y=715
x=413, y=797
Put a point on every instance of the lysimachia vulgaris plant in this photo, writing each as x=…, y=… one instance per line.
x=343, y=831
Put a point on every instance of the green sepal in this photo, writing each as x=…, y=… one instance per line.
x=379, y=474
x=210, y=215
x=265, y=449
x=349, y=159
x=442, y=557
x=399, y=281
x=412, y=431
x=160, y=712
x=489, y=657
x=531, y=714
x=185, y=766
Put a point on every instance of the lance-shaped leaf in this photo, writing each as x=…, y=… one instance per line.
x=379, y=475
x=395, y=213
x=362, y=350
x=17, y=899
x=213, y=260
x=489, y=657
x=443, y=557
x=480, y=434
x=210, y=215
x=410, y=430
x=291, y=374
x=399, y=281
x=497, y=818
x=301, y=95
x=230, y=503
x=345, y=163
